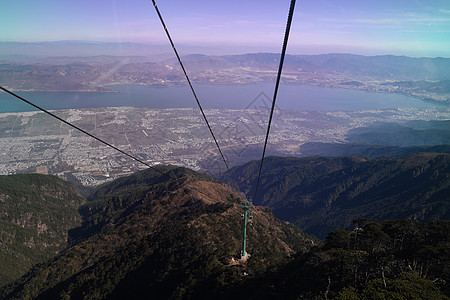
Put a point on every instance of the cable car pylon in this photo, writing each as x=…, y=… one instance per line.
x=248, y=217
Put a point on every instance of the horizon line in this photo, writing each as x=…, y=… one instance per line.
x=294, y=50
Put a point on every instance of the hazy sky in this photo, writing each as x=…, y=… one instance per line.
x=402, y=27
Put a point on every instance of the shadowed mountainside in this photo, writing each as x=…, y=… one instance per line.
x=407, y=134
x=320, y=194
x=371, y=151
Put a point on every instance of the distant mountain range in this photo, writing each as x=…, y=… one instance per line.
x=320, y=194
x=382, y=67
x=39, y=51
x=425, y=78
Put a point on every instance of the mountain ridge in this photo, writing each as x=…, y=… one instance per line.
x=179, y=236
x=170, y=239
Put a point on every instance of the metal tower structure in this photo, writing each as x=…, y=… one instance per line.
x=248, y=216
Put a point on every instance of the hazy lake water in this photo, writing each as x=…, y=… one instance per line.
x=292, y=97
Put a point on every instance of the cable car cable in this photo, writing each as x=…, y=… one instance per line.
x=193, y=92
x=175, y=178
x=85, y=132
x=280, y=68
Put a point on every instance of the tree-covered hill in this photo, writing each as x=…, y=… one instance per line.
x=395, y=259
x=320, y=194
x=147, y=235
x=36, y=212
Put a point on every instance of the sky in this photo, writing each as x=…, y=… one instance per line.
x=369, y=27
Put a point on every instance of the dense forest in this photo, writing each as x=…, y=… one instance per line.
x=395, y=259
x=36, y=212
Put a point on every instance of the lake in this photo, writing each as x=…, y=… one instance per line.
x=291, y=97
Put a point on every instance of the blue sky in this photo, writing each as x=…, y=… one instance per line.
x=401, y=27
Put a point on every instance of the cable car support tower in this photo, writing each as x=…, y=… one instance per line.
x=248, y=217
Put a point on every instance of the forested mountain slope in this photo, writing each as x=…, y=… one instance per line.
x=320, y=194
x=36, y=212
x=148, y=235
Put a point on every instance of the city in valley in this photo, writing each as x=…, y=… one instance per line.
x=36, y=142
